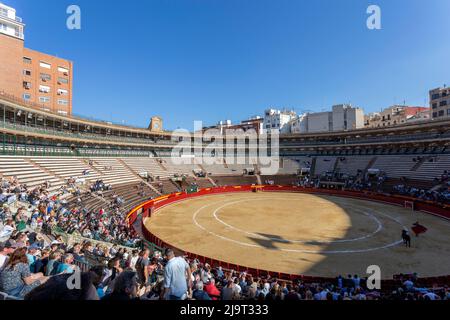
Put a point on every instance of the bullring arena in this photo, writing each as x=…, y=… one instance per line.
x=303, y=233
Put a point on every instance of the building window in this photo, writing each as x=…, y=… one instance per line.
x=27, y=72
x=443, y=103
x=63, y=80
x=3, y=12
x=63, y=92
x=63, y=102
x=62, y=112
x=44, y=89
x=44, y=99
x=45, y=77
x=26, y=60
x=434, y=114
x=64, y=70
x=27, y=85
x=26, y=96
x=441, y=113
x=3, y=27
x=45, y=65
x=448, y=112
x=435, y=96
x=434, y=105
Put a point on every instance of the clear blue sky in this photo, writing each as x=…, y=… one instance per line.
x=213, y=60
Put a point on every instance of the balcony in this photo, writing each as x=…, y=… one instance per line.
x=5, y=14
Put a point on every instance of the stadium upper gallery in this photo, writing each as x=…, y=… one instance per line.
x=333, y=205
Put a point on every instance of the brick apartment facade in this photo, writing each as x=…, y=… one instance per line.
x=43, y=80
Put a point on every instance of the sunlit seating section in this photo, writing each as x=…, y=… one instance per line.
x=113, y=172
x=176, y=167
x=147, y=165
x=26, y=172
x=66, y=168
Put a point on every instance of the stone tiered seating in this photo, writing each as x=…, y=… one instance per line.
x=167, y=186
x=149, y=165
x=289, y=166
x=352, y=164
x=119, y=173
x=284, y=180
x=26, y=172
x=67, y=168
x=324, y=165
x=431, y=170
x=201, y=182
x=180, y=169
x=234, y=181
x=221, y=168
x=397, y=166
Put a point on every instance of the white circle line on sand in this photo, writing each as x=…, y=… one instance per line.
x=215, y=214
x=390, y=245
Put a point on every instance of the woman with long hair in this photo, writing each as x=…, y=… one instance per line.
x=16, y=278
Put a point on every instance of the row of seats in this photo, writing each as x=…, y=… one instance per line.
x=395, y=166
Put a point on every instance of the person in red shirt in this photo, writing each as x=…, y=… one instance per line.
x=211, y=289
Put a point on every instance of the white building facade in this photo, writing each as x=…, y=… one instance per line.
x=10, y=24
x=343, y=117
x=278, y=120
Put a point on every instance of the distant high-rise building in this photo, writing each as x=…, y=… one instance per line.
x=42, y=80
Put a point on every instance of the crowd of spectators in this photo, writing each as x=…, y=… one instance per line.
x=32, y=270
x=439, y=192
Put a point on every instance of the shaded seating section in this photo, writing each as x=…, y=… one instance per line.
x=289, y=166
x=430, y=170
x=165, y=186
x=351, y=165
x=280, y=179
x=234, y=181
x=324, y=165
x=200, y=182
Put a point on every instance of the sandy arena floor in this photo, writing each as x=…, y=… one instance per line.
x=305, y=234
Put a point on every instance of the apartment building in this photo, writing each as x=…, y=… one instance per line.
x=278, y=120
x=396, y=115
x=42, y=80
x=343, y=117
x=440, y=103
